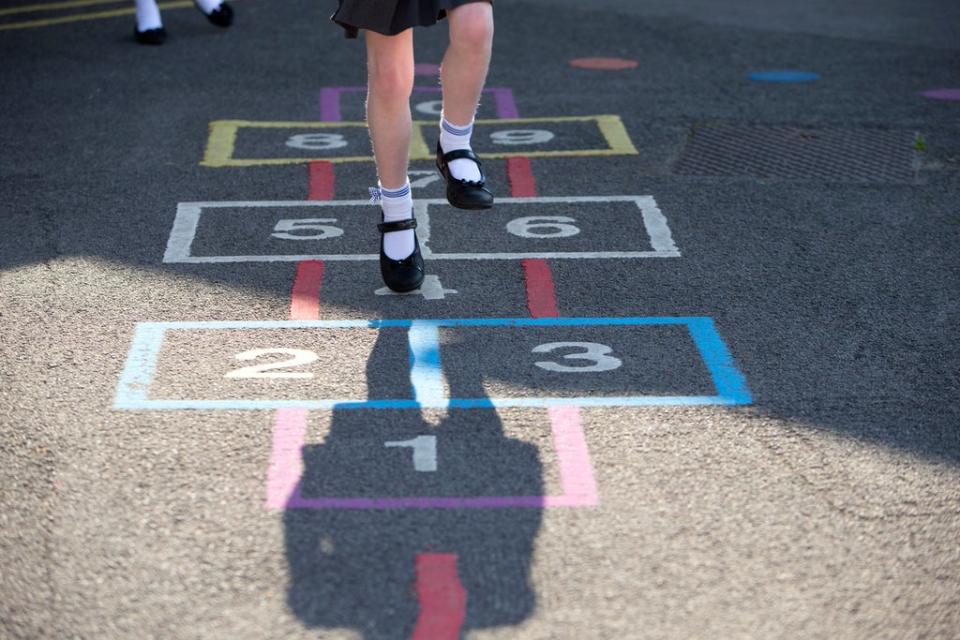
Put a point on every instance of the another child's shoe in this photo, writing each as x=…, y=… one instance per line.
x=222, y=16
x=150, y=36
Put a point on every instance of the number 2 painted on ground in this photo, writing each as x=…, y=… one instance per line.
x=598, y=354
x=299, y=358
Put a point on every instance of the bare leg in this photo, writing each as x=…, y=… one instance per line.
x=390, y=76
x=465, y=64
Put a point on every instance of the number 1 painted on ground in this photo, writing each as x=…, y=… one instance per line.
x=424, y=452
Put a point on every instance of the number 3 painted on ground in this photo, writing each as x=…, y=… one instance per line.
x=593, y=352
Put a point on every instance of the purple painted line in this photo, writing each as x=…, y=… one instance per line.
x=506, y=105
x=942, y=94
x=426, y=69
x=330, y=104
x=330, y=101
x=297, y=501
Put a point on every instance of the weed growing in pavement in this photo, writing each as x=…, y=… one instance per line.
x=919, y=149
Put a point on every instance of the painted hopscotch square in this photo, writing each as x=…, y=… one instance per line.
x=246, y=143
x=423, y=355
x=312, y=476
x=575, y=227
x=526, y=228
x=572, y=361
x=283, y=364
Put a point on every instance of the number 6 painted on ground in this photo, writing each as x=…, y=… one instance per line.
x=592, y=351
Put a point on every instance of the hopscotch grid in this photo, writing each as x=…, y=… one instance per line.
x=138, y=372
x=185, y=226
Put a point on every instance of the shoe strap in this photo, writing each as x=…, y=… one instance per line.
x=461, y=154
x=399, y=225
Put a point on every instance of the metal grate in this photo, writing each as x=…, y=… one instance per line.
x=793, y=153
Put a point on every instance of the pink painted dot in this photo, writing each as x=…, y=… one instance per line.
x=942, y=94
x=426, y=69
x=604, y=64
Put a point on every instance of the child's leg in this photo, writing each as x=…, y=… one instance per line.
x=390, y=77
x=463, y=74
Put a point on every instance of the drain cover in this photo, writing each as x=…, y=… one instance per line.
x=794, y=153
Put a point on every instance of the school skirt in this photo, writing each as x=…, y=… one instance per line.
x=390, y=17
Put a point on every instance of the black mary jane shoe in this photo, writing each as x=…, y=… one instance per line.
x=404, y=275
x=463, y=194
x=222, y=16
x=150, y=36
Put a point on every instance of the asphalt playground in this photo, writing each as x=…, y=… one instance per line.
x=696, y=375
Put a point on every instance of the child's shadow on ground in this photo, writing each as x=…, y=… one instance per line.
x=356, y=568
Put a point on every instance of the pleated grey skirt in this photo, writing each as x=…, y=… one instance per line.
x=390, y=17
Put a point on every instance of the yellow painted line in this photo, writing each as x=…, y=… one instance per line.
x=95, y=15
x=56, y=6
x=223, y=136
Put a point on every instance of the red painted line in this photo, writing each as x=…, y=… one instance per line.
x=443, y=600
x=541, y=295
x=305, y=296
x=322, y=180
x=520, y=175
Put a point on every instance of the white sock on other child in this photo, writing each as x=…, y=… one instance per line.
x=148, y=15
x=208, y=6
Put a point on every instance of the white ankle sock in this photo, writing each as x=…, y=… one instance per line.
x=148, y=15
x=208, y=6
x=454, y=137
x=397, y=205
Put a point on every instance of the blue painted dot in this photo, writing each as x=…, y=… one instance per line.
x=784, y=76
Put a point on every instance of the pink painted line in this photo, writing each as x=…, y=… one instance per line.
x=321, y=181
x=330, y=104
x=520, y=176
x=576, y=470
x=576, y=474
x=305, y=296
x=443, y=600
x=286, y=465
x=541, y=295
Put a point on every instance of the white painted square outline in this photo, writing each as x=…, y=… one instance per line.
x=184, y=231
